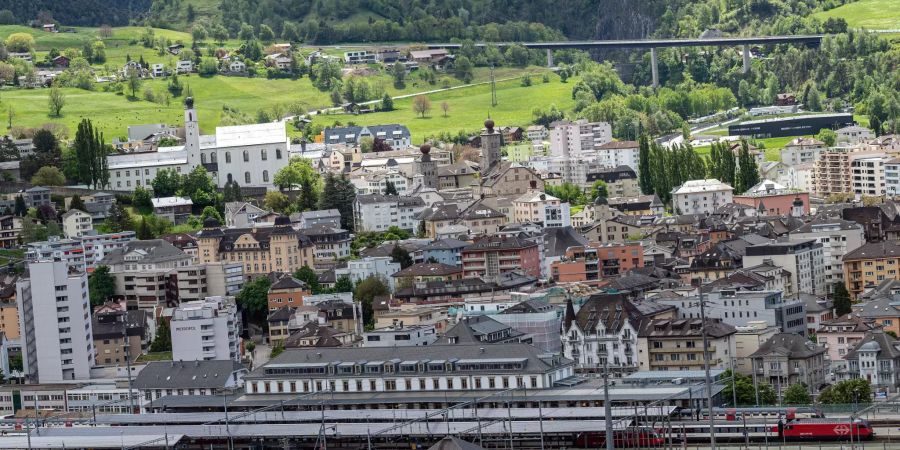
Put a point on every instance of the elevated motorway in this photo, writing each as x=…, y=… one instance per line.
x=812, y=40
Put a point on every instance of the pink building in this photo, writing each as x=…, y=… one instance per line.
x=774, y=198
x=840, y=335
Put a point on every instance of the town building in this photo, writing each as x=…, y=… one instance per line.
x=870, y=264
x=400, y=335
x=376, y=212
x=411, y=315
x=701, y=196
x=10, y=228
x=83, y=253
x=54, y=315
x=595, y=262
x=603, y=334
x=571, y=139
x=841, y=334
x=483, y=329
x=774, y=199
x=539, y=207
x=804, y=260
x=509, y=179
x=242, y=214
x=491, y=141
x=287, y=291
x=854, y=134
x=818, y=311
x=748, y=339
x=174, y=209
x=329, y=243
x=395, y=135
x=787, y=359
x=381, y=267
x=193, y=377
x=260, y=249
x=76, y=223
x=621, y=181
x=314, y=334
x=420, y=274
x=619, y=153
x=119, y=335
x=876, y=359
x=802, y=150
x=868, y=174
x=838, y=237
x=491, y=256
x=208, y=329
x=737, y=307
x=423, y=368
x=677, y=344
x=445, y=251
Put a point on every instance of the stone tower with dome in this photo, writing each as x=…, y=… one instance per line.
x=491, y=140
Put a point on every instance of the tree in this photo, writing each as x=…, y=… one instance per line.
x=398, y=72
x=266, y=34
x=199, y=32
x=208, y=66
x=390, y=188
x=421, y=105
x=20, y=208
x=55, y=101
x=747, y=171
x=343, y=284
x=48, y=176
x=276, y=350
x=133, y=80
x=118, y=219
x=277, y=201
x=326, y=75
x=841, y=299
x=199, y=187
x=166, y=183
x=90, y=155
x=253, y=299
x=366, y=291
x=746, y=393
x=300, y=173
x=163, y=340
x=339, y=194
x=20, y=42
x=141, y=200
x=797, y=394
x=598, y=190
x=567, y=192
x=101, y=285
x=46, y=153
x=846, y=392
x=211, y=212
x=308, y=276
x=387, y=102
x=464, y=69
x=76, y=203
x=445, y=107
x=644, y=165
x=828, y=136
x=400, y=255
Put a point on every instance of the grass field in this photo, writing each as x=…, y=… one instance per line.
x=871, y=14
x=468, y=108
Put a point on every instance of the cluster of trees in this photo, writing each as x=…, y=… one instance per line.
x=196, y=185
x=741, y=171
x=663, y=169
x=747, y=392
x=74, y=12
x=90, y=155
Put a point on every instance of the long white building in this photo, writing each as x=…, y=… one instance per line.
x=55, y=318
x=247, y=154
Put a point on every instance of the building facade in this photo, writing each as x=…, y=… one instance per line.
x=206, y=330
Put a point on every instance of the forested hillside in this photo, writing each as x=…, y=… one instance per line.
x=74, y=12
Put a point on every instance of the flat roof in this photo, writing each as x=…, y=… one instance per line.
x=254, y=134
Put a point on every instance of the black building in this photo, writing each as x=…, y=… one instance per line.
x=790, y=126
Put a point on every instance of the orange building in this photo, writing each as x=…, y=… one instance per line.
x=594, y=262
x=287, y=291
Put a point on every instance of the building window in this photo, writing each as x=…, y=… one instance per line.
x=203, y=158
x=246, y=156
x=247, y=177
x=265, y=176
x=277, y=153
x=263, y=154
x=227, y=157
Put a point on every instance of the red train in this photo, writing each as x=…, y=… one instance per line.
x=792, y=430
x=633, y=437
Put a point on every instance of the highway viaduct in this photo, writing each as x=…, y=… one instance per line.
x=653, y=44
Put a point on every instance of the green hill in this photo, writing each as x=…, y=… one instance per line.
x=870, y=14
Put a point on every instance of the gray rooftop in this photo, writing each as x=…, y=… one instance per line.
x=153, y=251
x=186, y=374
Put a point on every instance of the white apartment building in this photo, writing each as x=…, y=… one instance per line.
x=537, y=206
x=619, y=153
x=81, y=253
x=375, y=182
x=837, y=237
x=868, y=174
x=738, y=307
x=802, y=151
x=130, y=170
x=803, y=259
x=379, y=266
x=55, y=318
x=892, y=177
x=574, y=138
x=376, y=212
x=400, y=335
x=76, y=223
x=854, y=134
x=206, y=330
x=604, y=328
x=701, y=196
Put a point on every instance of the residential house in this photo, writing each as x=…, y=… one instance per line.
x=621, y=181
x=174, y=209
x=870, y=264
x=421, y=273
x=242, y=214
x=377, y=212
x=802, y=150
x=119, y=334
x=677, y=344
x=592, y=263
x=445, y=251
x=286, y=291
x=329, y=243
x=803, y=259
x=382, y=267
x=76, y=223
x=395, y=135
x=838, y=237
x=841, y=334
x=316, y=335
x=876, y=359
x=278, y=248
x=701, y=196
x=179, y=378
x=400, y=335
x=491, y=256
x=603, y=334
x=787, y=359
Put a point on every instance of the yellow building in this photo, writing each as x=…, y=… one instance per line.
x=279, y=248
x=871, y=264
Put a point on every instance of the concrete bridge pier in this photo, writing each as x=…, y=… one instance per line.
x=549, y=57
x=746, y=58
x=654, y=67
